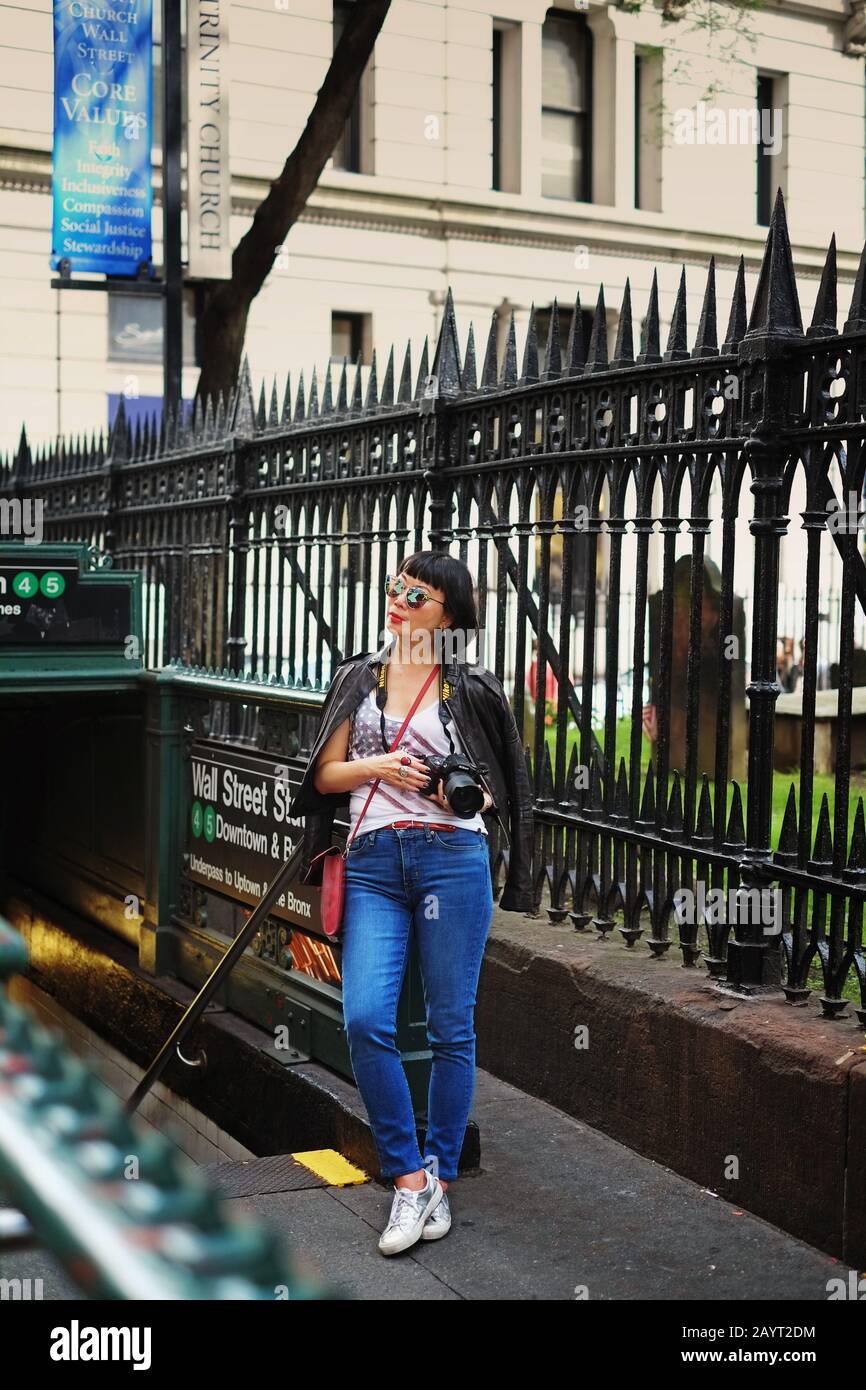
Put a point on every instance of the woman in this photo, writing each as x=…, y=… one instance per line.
x=416, y=864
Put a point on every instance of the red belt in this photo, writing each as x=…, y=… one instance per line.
x=429, y=824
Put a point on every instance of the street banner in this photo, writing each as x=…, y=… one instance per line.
x=103, y=103
x=208, y=174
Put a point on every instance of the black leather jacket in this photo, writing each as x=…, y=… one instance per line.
x=485, y=724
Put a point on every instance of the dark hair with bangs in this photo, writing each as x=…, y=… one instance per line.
x=442, y=571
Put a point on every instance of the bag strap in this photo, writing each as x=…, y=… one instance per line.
x=415, y=703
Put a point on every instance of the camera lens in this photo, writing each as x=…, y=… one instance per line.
x=464, y=794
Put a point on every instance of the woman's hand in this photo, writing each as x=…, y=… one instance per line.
x=389, y=766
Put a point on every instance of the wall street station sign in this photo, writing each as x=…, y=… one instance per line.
x=207, y=84
x=239, y=832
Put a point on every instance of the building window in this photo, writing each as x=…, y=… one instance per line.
x=505, y=176
x=135, y=328
x=647, y=129
x=347, y=152
x=765, y=162
x=566, y=104
x=772, y=109
x=351, y=336
x=497, y=108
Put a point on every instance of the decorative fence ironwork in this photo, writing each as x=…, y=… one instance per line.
x=264, y=536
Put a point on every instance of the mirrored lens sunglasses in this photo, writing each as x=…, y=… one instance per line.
x=415, y=597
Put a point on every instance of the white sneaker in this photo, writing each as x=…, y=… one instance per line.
x=409, y=1211
x=438, y=1223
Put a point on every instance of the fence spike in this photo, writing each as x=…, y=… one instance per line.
x=648, y=800
x=386, y=395
x=707, y=341
x=470, y=377
x=678, y=347
x=286, y=416
x=553, y=350
x=21, y=460
x=856, y=320
x=737, y=320
x=118, y=443
x=571, y=790
x=489, y=370
x=209, y=420
x=595, y=779
x=823, y=852
x=242, y=415
x=357, y=401
x=857, y=857
x=704, y=825
x=651, y=351
x=776, y=306
x=446, y=359
x=575, y=348
x=823, y=323
x=529, y=372
x=300, y=408
x=509, y=365
x=404, y=393
x=423, y=371
x=343, y=389
x=261, y=413
x=620, y=802
x=788, y=833
x=546, y=787
x=274, y=412
x=597, y=357
x=372, y=398
x=736, y=825
x=220, y=421
x=197, y=420
x=327, y=395
x=675, y=805
x=623, y=353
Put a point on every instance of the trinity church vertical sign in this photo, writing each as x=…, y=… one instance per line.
x=102, y=189
x=207, y=107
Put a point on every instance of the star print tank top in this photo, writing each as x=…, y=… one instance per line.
x=423, y=736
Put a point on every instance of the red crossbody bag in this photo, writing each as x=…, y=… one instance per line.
x=334, y=857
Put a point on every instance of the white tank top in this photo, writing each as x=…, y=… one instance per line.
x=425, y=735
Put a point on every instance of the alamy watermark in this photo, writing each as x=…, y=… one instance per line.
x=22, y=518
x=425, y=646
x=736, y=125
x=738, y=906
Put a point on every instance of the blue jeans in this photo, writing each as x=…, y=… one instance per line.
x=440, y=883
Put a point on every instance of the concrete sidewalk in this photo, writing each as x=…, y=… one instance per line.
x=556, y=1206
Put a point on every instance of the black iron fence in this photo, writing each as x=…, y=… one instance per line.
x=265, y=532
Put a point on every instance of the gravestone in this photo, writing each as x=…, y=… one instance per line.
x=709, y=672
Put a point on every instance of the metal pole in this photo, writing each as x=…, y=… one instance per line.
x=172, y=58
x=210, y=986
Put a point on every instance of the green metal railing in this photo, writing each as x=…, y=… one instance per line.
x=126, y=1213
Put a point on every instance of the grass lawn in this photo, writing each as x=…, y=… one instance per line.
x=782, y=781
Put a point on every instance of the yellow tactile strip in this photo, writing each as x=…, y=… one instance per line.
x=332, y=1167
x=284, y=1173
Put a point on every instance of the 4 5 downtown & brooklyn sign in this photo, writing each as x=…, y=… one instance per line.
x=238, y=828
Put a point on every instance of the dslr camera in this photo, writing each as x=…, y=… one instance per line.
x=462, y=782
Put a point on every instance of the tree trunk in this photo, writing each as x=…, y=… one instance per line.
x=227, y=302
